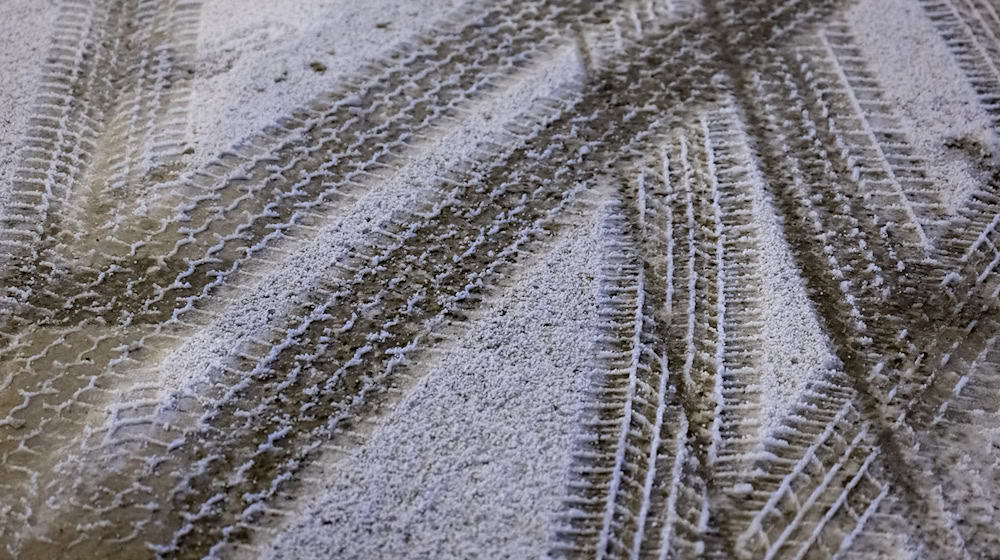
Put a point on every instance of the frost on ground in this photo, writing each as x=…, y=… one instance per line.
x=451, y=455
x=499, y=278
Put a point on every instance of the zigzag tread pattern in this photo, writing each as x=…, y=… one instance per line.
x=705, y=116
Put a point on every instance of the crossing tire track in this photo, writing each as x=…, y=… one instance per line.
x=249, y=203
x=873, y=390
x=149, y=307
x=694, y=110
x=602, y=120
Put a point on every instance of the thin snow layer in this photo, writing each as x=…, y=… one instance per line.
x=256, y=64
x=795, y=348
x=934, y=100
x=472, y=463
x=26, y=28
x=249, y=311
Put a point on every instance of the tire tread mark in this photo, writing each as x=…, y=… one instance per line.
x=900, y=344
x=887, y=147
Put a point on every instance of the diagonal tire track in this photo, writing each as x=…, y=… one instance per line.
x=908, y=331
x=154, y=297
x=87, y=358
x=571, y=128
x=872, y=311
x=909, y=348
x=264, y=198
x=117, y=70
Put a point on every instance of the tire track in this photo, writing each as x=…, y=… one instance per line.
x=971, y=36
x=222, y=429
x=666, y=445
x=789, y=456
x=156, y=300
x=262, y=199
x=903, y=347
x=885, y=533
x=617, y=519
x=444, y=236
x=431, y=263
x=971, y=230
x=144, y=140
x=836, y=456
x=642, y=485
x=423, y=293
x=887, y=167
x=218, y=204
x=717, y=402
x=959, y=445
x=136, y=252
x=115, y=71
x=970, y=30
x=833, y=432
x=634, y=404
x=79, y=357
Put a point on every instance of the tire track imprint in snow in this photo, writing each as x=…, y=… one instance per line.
x=689, y=117
x=90, y=348
x=829, y=459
